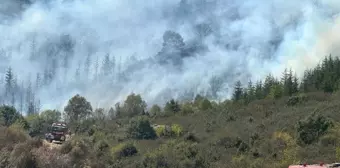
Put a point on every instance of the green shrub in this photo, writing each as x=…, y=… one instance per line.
x=21, y=156
x=155, y=159
x=205, y=104
x=140, y=128
x=310, y=129
x=191, y=137
x=97, y=136
x=177, y=130
x=174, y=130
x=294, y=100
x=160, y=130
x=186, y=109
x=123, y=150
x=12, y=135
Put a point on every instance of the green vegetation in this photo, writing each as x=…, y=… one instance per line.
x=270, y=124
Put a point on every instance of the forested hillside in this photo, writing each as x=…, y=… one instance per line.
x=164, y=84
x=271, y=123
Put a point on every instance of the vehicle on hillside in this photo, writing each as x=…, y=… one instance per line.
x=321, y=165
x=57, y=132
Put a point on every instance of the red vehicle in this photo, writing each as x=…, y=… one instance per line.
x=57, y=132
x=321, y=165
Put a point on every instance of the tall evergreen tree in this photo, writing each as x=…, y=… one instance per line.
x=77, y=73
x=268, y=83
x=38, y=82
x=259, y=94
x=8, y=82
x=87, y=65
x=29, y=99
x=107, y=66
x=21, y=97
x=251, y=91
x=238, y=91
x=96, y=65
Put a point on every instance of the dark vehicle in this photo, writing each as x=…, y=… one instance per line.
x=57, y=132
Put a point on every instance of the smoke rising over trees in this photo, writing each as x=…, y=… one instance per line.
x=52, y=50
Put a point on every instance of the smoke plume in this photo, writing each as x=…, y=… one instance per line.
x=107, y=49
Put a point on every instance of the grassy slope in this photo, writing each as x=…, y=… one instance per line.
x=272, y=121
x=262, y=117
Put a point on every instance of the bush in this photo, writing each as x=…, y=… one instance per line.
x=46, y=157
x=176, y=154
x=21, y=156
x=8, y=115
x=205, y=104
x=177, y=130
x=101, y=146
x=191, y=137
x=97, y=136
x=174, y=130
x=155, y=159
x=163, y=131
x=294, y=100
x=123, y=150
x=160, y=129
x=310, y=129
x=10, y=136
x=186, y=109
x=66, y=147
x=227, y=142
x=4, y=157
x=140, y=128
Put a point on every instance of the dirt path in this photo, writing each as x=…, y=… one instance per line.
x=53, y=145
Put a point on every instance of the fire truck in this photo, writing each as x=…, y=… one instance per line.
x=57, y=132
x=321, y=165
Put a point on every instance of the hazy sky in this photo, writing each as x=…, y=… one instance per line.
x=250, y=39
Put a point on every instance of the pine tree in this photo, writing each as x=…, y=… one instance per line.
x=288, y=88
x=38, y=82
x=29, y=99
x=30, y=109
x=107, y=66
x=37, y=106
x=33, y=47
x=268, y=83
x=276, y=91
x=53, y=70
x=238, y=91
x=216, y=85
x=259, y=90
x=111, y=113
x=87, y=65
x=295, y=87
x=8, y=82
x=21, y=103
x=96, y=65
x=77, y=73
x=14, y=89
x=251, y=91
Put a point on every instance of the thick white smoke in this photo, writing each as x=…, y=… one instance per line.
x=249, y=39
